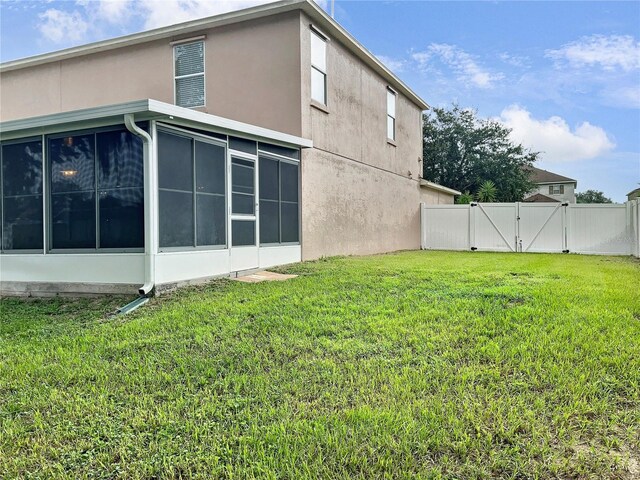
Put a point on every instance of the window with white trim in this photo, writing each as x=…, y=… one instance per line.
x=556, y=189
x=188, y=60
x=391, y=114
x=318, y=68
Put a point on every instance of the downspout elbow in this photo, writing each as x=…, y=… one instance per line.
x=149, y=247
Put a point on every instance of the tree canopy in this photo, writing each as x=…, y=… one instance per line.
x=463, y=151
x=592, y=196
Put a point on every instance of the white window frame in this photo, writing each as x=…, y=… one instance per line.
x=175, y=45
x=323, y=38
x=391, y=115
x=556, y=189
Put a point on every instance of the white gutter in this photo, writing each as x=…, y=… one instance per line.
x=439, y=188
x=149, y=211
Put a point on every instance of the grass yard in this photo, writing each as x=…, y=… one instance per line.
x=410, y=365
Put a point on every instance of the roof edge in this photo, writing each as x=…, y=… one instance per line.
x=193, y=26
x=154, y=109
x=438, y=187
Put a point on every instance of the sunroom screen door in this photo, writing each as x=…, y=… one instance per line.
x=243, y=212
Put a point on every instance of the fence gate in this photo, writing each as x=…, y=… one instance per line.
x=494, y=227
x=542, y=227
x=611, y=229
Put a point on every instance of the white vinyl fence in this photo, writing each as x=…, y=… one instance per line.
x=606, y=229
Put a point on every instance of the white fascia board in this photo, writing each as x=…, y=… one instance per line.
x=143, y=110
x=86, y=114
x=438, y=187
x=557, y=182
x=226, y=125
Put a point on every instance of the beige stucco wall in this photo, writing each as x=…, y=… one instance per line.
x=435, y=197
x=349, y=208
x=360, y=194
x=569, y=194
x=251, y=71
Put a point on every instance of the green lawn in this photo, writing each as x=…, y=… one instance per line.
x=411, y=365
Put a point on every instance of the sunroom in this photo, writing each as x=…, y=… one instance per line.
x=141, y=197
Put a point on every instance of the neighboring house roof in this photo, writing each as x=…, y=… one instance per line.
x=544, y=176
x=144, y=110
x=633, y=193
x=438, y=187
x=539, y=198
x=317, y=14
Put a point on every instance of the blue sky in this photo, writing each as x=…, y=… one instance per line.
x=565, y=76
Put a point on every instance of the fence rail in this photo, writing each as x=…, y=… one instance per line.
x=605, y=229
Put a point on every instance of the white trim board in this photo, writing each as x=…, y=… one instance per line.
x=148, y=109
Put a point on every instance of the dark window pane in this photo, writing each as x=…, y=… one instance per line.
x=72, y=164
x=243, y=233
x=23, y=223
x=243, y=145
x=176, y=219
x=211, y=221
x=210, y=167
x=175, y=162
x=241, y=179
x=269, y=179
x=277, y=149
x=120, y=160
x=290, y=228
x=73, y=220
x=269, y=222
x=243, y=204
x=289, y=182
x=22, y=168
x=122, y=218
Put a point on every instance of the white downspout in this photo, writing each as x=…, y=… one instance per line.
x=149, y=210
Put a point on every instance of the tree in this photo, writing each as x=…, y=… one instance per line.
x=592, y=196
x=462, y=151
x=465, y=199
x=487, y=192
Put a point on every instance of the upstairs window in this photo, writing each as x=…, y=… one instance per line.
x=188, y=59
x=318, y=68
x=556, y=189
x=391, y=114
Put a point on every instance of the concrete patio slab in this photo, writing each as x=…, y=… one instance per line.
x=264, y=277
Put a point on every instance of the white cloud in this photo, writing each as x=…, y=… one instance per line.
x=554, y=138
x=608, y=52
x=460, y=62
x=158, y=13
x=393, y=64
x=89, y=16
x=58, y=26
x=626, y=96
x=514, y=60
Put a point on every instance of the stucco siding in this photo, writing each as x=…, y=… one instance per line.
x=434, y=197
x=360, y=193
x=350, y=208
x=252, y=73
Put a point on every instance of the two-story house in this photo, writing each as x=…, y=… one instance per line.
x=246, y=140
x=551, y=187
